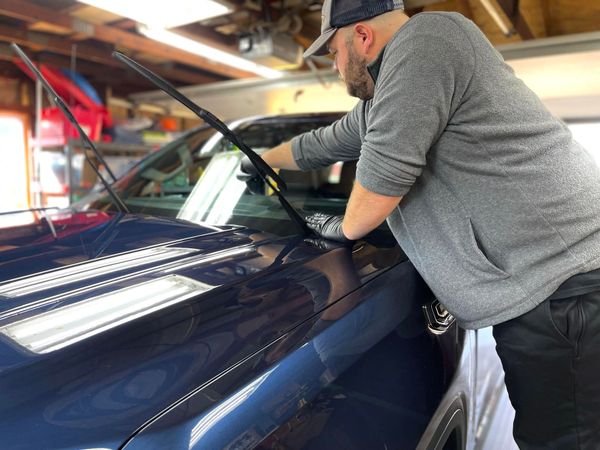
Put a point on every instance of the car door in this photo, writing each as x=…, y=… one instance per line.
x=364, y=370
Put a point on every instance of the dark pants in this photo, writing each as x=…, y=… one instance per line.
x=551, y=357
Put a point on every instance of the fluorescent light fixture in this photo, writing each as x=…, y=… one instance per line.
x=165, y=14
x=64, y=326
x=198, y=48
x=90, y=269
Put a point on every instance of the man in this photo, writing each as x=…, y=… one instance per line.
x=487, y=193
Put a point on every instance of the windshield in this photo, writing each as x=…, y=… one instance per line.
x=193, y=179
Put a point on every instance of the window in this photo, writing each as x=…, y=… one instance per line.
x=588, y=135
x=14, y=174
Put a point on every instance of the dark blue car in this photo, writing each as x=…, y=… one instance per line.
x=205, y=319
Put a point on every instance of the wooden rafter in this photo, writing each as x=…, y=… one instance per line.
x=64, y=46
x=196, y=30
x=73, y=8
x=550, y=28
x=177, y=75
x=511, y=9
x=489, y=24
x=465, y=7
x=30, y=12
x=38, y=42
x=124, y=24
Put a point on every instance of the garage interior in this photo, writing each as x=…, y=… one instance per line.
x=553, y=45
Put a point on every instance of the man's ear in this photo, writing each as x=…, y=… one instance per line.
x=365, y=36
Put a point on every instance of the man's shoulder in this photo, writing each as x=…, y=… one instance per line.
x=439, y=17
x=439, y=22
x=433, y=28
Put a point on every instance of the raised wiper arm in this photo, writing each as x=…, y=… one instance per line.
x=69, y=115
x=262, y=167
x=265, y=171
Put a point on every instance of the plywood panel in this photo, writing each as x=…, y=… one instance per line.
x=533, y=13
x=573, y=16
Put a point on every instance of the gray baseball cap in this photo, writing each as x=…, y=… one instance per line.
x=339, y=13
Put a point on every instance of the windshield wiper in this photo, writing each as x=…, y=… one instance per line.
x=84, y=137
x=265, y=171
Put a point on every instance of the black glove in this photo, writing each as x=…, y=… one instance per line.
x=328, y=227
x=246, y=170
x=326, y=244
x=247, y=173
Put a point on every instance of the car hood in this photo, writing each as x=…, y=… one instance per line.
x=70, y=238
x=106, y=322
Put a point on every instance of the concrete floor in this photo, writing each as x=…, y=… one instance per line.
x=501, y=436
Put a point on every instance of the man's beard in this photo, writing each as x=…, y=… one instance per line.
x=357, y=77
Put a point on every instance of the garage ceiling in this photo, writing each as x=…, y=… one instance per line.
x=67, y=32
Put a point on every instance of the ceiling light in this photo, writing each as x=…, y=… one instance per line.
x=200, y=49
x=64, y=326
x=169, y=14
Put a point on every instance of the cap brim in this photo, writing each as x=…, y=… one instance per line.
x=319, y=47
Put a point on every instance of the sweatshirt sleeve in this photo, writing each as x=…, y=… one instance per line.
x=339, y=141
x=421, y=81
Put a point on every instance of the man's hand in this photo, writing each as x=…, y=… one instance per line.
x=247, y=173
x=328, y=227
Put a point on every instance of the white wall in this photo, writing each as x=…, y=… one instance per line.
x=13, y=170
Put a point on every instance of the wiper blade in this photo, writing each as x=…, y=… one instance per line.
x=265, y=171
x=262, y=167
x=84, y=137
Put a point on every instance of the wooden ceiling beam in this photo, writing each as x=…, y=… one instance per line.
x=207, y=34
x=64, y=46
x=39, y=42
x=174, y=74
x=465, y=7
x=511, y=9
x=100, y=78
x=124, y=24
x=92, y=72
x=548, y=19
x=486, y=21
x=137, y=43
x=73, y=8
x=31, y=12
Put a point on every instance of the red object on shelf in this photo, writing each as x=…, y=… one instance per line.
x=56, y=130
